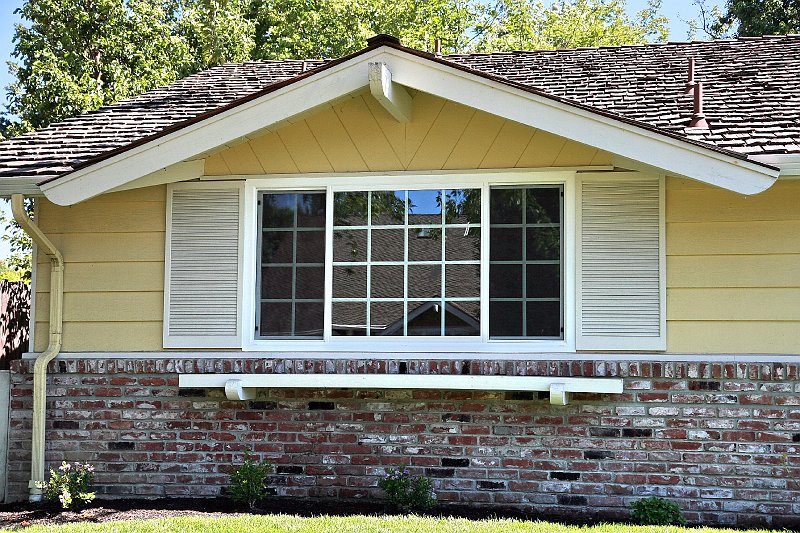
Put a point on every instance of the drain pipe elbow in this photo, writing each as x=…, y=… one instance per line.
x=53, y=345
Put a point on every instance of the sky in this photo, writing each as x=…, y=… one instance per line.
x=677, y=11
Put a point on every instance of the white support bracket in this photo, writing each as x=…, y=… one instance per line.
x=390, y=95
x=234, y=390
x=244, y=386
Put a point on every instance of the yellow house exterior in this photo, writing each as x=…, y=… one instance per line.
x=669, y=359
x=732, y=259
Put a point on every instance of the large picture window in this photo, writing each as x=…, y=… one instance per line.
x=481, y=262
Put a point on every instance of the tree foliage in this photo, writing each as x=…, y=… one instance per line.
x=747, y=18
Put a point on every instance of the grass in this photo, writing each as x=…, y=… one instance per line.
x=348, y=524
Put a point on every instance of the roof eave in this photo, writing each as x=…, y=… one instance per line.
x=421, y=71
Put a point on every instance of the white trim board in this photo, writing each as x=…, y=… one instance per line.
x=243, y=386
x=673, y=156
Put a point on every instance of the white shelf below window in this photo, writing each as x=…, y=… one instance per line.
x=244, y=386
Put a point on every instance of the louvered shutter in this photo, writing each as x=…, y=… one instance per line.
x=621, y=270
x=202, y=305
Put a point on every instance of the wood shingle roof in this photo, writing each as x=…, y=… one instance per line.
x=752, y=97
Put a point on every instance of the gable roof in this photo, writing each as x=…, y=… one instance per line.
x=623, y=83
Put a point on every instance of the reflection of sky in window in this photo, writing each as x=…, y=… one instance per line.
x=424, y=202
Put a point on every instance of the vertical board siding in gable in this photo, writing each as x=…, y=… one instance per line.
x=733, y=269
x=358, y=135
x=204, y=263
x=113, y=249
x=620, y=283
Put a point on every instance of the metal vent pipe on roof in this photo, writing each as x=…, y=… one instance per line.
x=438, y=47
x=690, y=83
x=698, y=117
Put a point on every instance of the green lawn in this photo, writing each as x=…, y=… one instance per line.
x=354, y=524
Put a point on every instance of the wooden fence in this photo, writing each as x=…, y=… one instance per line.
x=15, y=310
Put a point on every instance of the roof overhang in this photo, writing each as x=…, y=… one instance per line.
x=626, y=138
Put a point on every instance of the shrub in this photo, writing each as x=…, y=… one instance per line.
x=657, y=512
x=406, y=493
x=69, y=485
x=249, y=481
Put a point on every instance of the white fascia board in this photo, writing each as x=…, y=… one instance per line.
x=673, y=156
x=788, y=163
x=668, y=154
x=209, y=134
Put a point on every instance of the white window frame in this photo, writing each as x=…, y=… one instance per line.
x=409, y=181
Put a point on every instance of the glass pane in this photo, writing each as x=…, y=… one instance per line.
x=388, y=207
x=276, y=247
x=278, y=210
x=276, y=320
x=311, y=246
x=309, y=319
x=462, y=281
x=424, y=207
x=505, y=319
x=462, y=244
x=311, y=210
x=505, y=244
x=463, y=206
x=310, y=283
x=505, y=281
x=462, y=318
x=388, y=244
x=424, y=318
x=349, y=318
x=544, y=319
x=387, y=282
x=350, y=245
x=543, y=243
x=350, y=208
x=276, y=282
x=425, y=244
x=506, y=206
x=386, y=318
x=349, y=282
x=544, y=281
x=543, y=205
x=424, y=281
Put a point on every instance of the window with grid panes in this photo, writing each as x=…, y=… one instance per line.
x=409, y=263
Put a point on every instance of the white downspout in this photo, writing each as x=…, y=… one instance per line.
x=54, y=342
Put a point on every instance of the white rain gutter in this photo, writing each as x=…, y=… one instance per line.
x=53, y=345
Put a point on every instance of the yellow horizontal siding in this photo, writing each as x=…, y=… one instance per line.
x=106, y=306
x=358, y=135
x=733, y=269
x=113, y=248
x=105, y=336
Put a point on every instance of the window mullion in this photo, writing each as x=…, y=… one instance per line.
x=369, y=266
x=443, y=267
x=327, y=328
x=484, y=258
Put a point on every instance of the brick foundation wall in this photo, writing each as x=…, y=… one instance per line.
x=723, y=440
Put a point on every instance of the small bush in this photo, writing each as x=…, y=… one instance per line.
x=69, y=485
x=249, y=481
x=406, y=493
x=657, y=512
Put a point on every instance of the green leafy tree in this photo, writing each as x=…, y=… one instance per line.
x=215, y=31
x=18, y=264
x=524, y=25
x=72, y=56
x=753, y=18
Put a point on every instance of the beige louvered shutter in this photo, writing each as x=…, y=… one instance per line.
x=202, y=302
x=621, y=269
